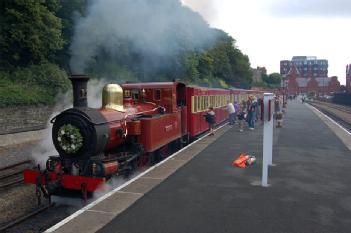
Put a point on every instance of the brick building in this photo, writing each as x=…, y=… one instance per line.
x=257, y=74
x=308, y=74
x=308, y=66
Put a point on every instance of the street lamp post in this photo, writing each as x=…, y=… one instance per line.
x=285, y=92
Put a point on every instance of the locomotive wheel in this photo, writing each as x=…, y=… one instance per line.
x=86, y=131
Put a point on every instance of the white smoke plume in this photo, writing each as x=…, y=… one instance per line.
x=45, y=147
x=159, y=28
x=112, y=184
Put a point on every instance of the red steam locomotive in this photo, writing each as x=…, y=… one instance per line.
x=138, y=123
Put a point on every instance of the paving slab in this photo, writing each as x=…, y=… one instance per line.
x=87, y=222
x=116, y=203
x=142, y=185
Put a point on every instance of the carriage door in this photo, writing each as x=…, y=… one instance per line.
x=181, y=105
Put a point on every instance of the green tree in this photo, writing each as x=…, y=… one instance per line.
x=242, y=74
x=272, y=80
x=275, y=78
x=30, y=33
x=205, y=66
x=222, y=67
x=191, y=63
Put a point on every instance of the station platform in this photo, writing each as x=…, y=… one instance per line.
x=199, y=191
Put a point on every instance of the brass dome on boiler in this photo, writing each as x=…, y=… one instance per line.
x=112, y=97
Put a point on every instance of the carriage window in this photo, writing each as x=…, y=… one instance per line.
x=201, y=103
x=157, y=94
x=206, y=102
x=193, y=104
x=127, y=94
x=198, y=104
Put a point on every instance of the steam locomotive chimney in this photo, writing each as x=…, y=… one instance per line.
x=80, y=91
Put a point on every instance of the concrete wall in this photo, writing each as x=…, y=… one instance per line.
x=23, y=118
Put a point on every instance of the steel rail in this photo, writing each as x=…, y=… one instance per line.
x=25, y=217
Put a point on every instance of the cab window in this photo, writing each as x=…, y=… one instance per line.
x=157, y=94
x=135, y=94
x=127, y=94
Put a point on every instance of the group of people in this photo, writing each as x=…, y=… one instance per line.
x=246, y=111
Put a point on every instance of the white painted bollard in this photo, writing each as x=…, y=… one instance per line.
x=267, y=135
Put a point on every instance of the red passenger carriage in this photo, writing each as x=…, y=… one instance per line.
x=200, y=100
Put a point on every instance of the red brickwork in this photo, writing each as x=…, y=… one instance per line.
x=319, y=85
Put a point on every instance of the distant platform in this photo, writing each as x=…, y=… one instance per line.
x=199, y=191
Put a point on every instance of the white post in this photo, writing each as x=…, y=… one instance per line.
x=267, y=135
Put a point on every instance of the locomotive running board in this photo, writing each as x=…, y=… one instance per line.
x=66, y=181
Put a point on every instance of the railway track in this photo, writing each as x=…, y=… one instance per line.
x=13, y=174
x=25, y=217
x=339, y=113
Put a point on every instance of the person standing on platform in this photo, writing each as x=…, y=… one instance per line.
x=277, y=104
x=231, y=112
x=236, y=107
x=210, y=117
x=252, y=113
x=241, y=116
x=258, y=109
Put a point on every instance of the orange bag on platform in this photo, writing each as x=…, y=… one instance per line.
x=241, y=161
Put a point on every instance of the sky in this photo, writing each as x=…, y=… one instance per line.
x=272, y=30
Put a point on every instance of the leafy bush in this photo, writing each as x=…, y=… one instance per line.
x=37, y=84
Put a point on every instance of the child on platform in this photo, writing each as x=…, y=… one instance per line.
x=242, y=117
x=210, y=119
